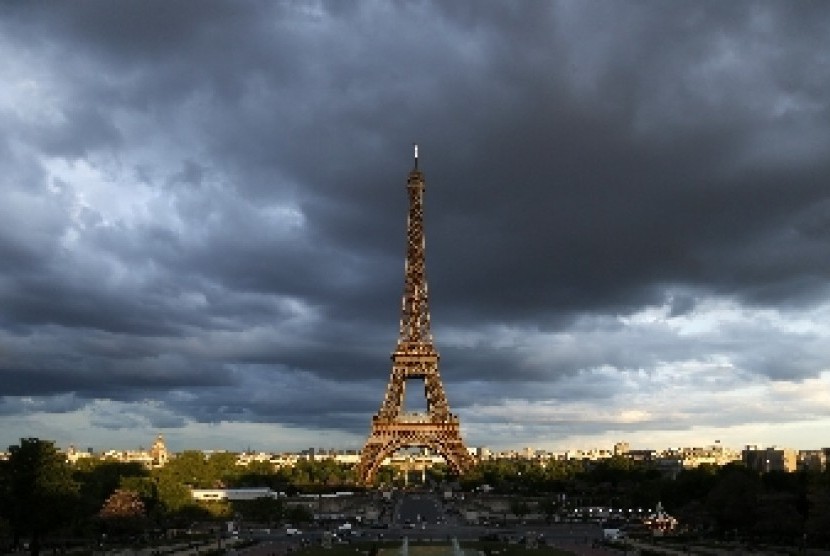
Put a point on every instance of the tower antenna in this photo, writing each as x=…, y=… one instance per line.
x=416, y=154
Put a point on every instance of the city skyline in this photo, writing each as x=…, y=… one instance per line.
x=203, y=223
x=158, y=454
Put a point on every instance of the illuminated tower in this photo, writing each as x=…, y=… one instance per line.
x=414, y=359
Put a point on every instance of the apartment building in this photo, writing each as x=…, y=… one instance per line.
x=764, y=460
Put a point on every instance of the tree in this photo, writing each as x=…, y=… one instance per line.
x=438, y=473
x=777, y=518
x=263, y=510
x=733, y=502
x=190, y=468
x=298, y=514
x=123, y=513
x=122, y=504
x=148, y=490
x=261, y=473
x=386, y=475
x=98, y=479
x=817, y=527
x=171, y=491
x=222, y=469
x=38, y=490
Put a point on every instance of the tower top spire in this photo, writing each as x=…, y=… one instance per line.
x=415, y=328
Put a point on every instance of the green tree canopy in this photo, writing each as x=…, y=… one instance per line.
x=39, y=493
x=98, y=479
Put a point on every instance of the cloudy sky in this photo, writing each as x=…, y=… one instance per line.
x=203, y=213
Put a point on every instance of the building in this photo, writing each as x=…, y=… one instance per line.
x=156, y=456
x=716, y=454
x=158, y=453
x=764, y=460
x=73, y=455
x=232, y=494
x=813, y=460
x=130, y=456
x=593, y=454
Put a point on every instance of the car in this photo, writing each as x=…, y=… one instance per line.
x=291, y=531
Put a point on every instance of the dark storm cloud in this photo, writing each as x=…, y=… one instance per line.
x=198, y=190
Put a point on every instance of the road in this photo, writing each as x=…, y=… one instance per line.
x=418, y=510
x=424, y=516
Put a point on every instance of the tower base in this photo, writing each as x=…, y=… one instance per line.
x=387, y=437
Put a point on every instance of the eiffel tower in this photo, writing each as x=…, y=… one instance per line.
x=414, y=357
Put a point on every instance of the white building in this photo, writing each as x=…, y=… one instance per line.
x=233, y=494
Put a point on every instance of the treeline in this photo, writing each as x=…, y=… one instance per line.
x=42, y=495
x=728, y=502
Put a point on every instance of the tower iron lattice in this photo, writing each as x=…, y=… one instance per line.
x=414, y=358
